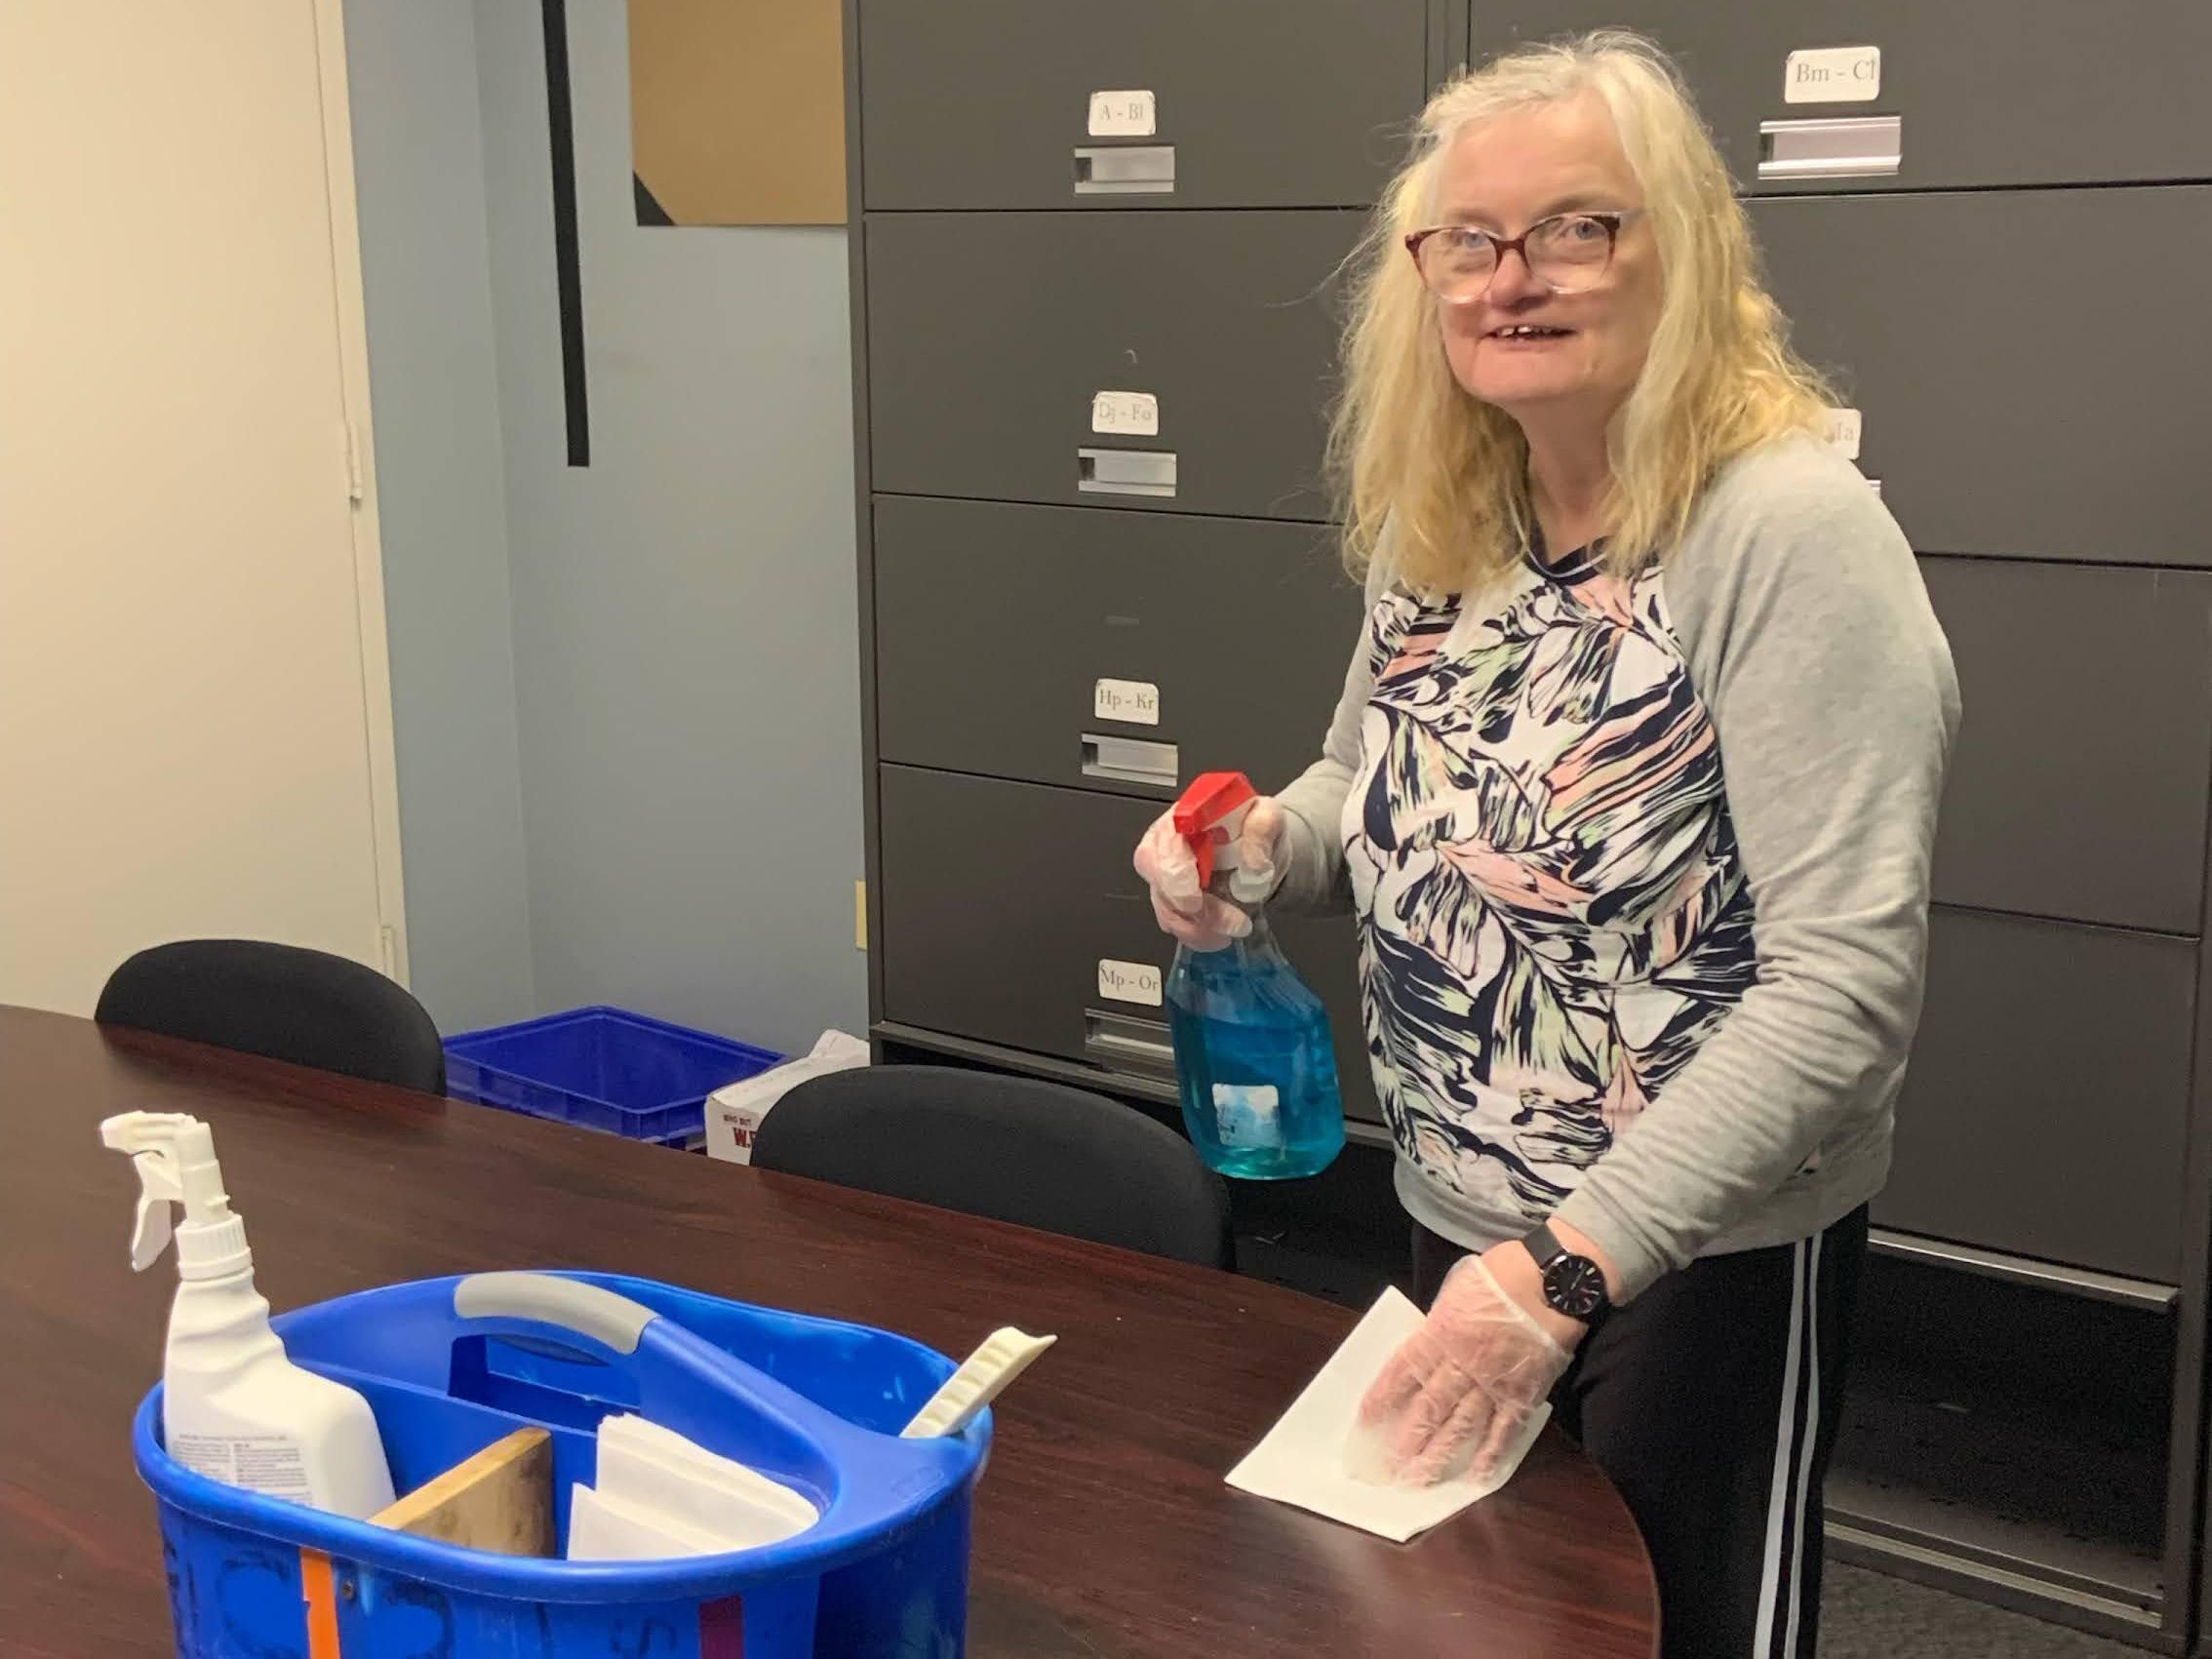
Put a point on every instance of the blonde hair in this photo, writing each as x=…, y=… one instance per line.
x=1448, y=474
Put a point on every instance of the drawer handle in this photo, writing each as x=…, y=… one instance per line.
x=1831, y=147
x=1127, y=1040
x=1125, y=472
x=2140, y=1293
x=1125, y=170
x=1131, y=760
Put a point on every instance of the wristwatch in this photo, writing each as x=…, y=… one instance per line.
x=1573, y=1286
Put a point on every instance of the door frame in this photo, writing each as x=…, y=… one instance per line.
x=356, y=456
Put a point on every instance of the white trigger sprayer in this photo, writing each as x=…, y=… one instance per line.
x=174, y=1157
x=234, y=1405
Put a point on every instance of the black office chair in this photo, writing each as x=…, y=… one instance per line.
x=280, y=1002
x=1011, y=1148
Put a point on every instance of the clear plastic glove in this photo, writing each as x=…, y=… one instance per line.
x=1185, y=910
x=1457, y=1396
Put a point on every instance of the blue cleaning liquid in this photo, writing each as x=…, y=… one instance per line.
x=1253, y=1060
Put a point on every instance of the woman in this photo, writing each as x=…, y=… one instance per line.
x=1632, y=789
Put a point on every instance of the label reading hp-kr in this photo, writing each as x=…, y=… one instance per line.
x=1124, y=115
x=1132, y=702
x=1843, y=428
x=1246, y=1115
x=1833, y=74
x=1126, y=414
x=1130, y=982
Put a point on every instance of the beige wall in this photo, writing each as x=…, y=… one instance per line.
x=194, y=719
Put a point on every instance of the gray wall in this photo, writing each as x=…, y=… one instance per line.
x=419, y=164
x=687, y=666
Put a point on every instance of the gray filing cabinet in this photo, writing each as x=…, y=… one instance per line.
x=1096, y=306
x=1095, y=321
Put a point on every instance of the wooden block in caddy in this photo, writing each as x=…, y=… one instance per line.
x=501, y=1499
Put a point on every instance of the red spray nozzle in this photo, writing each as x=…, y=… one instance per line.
x=1213, y=802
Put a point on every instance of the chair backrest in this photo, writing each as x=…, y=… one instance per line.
x=283, y=1003
x=1011, y=1148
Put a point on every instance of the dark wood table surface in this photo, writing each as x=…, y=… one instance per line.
x=1102, y=1526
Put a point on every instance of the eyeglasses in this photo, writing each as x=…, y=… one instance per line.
x=1566, y=252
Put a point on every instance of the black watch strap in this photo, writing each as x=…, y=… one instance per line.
x=1544, y=1244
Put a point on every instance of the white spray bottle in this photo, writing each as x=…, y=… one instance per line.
x=234, y=1407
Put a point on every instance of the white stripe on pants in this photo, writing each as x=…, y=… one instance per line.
x=1775, y=1634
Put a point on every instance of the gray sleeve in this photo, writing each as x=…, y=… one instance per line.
x=1313, y=804
x=1810, y=638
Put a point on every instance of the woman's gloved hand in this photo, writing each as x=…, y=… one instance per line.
x=1458, y=1394
x=1185, y=910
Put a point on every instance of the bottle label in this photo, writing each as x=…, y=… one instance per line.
x=1248, y=1115
x=261, y=1463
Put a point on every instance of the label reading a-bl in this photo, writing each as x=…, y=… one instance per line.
x=1132, y=702
x=1127, y=114
x=1130, y=982
x=1833, y=74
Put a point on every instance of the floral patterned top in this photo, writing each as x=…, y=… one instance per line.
x=1553, y=911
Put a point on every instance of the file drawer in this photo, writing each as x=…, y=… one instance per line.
x=1151, y=360
x=2045, y=1108
x=1047, y=103
x=2077, y=788
x=2012, y=404
x=1902, y=94
x=1121, y=652
x=1012, y=915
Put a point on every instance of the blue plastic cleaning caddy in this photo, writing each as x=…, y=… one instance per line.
x=450, y=1365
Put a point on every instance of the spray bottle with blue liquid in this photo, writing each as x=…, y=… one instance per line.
x=1254, y=1058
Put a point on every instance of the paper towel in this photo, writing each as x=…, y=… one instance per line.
x=1302, y=1460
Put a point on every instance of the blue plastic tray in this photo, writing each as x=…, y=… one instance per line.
x=602, y=1067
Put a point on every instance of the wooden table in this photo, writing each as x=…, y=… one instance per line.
x=1102, y=1528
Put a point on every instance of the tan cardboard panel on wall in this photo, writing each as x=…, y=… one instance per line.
x=737, y=111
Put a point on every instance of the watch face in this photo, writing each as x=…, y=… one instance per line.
x=1575, y=1287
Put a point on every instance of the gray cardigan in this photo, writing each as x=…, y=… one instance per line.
x=1800, y=613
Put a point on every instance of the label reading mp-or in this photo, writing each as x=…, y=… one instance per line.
x=1129, y=415
x=1130, y=982
x=1833, y=74
x=1132, y=702
x=1124, y=115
